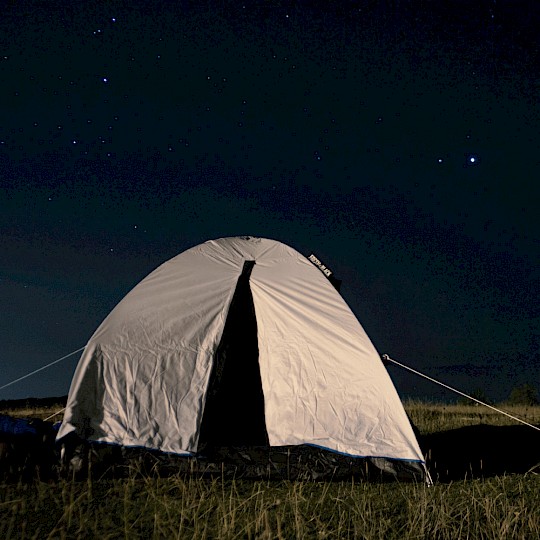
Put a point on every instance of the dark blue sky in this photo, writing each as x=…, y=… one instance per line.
x=397, y=140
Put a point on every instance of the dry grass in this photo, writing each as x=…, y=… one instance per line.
x=179, y=507
x=53, y=413
x=428, y=417
x=433, y=417
x=188, y=507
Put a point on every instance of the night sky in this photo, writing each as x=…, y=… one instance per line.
x=399, y=141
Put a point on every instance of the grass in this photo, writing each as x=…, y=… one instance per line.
x=433, y=417
x=52, y=413
x=180, y=507
x=189, y=507
x=427, y=417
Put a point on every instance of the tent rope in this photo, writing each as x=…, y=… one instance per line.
x=42, y=368
x=386, y=358
x=55, y=414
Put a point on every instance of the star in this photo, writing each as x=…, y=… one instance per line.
x=472, y=160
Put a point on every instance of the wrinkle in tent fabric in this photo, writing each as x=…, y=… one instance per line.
x=146, y=375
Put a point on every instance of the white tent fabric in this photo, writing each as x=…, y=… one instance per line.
x=143, y=377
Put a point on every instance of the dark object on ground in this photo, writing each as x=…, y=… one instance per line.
x=481, y=451
x=27, y=449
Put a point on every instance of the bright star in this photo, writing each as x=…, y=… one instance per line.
x=472, y=160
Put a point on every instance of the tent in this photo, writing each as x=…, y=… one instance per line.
x=239, y=342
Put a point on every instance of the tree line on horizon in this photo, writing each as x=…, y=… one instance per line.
x=521, y=394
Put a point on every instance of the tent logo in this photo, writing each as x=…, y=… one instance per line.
x=323, y=268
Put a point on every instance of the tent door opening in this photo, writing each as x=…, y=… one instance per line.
x=234, y=409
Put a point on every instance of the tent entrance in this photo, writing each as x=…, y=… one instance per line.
x=234, y=409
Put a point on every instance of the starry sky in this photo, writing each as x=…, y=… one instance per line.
x=396, y=140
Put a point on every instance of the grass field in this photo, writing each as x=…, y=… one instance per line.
x=187, y=507
x=428, y=417
x=433, y=417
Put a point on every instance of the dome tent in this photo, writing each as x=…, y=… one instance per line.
x=239, y=342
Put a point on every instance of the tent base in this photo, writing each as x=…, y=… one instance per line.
x=254, y=462
x=28, y=450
